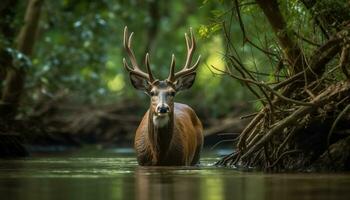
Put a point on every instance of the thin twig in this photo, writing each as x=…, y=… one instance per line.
x=249, y=115
x=333, y=127
x=267, y=87
x=248, y=86
x=220, y=142
x=306, y=40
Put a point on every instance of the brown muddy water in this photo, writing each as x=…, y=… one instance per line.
x=116, y=175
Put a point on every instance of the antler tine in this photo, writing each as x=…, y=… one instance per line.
x=188, y=70
x=127, y=46
x=126, y=66
x=171, y=76
x=148, y=67
x=135, y=68
x=191, y=46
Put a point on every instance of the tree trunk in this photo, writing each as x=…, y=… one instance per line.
x=290, y=48
x=7, y=30
x=15, y=78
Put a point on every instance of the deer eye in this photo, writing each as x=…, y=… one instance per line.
x=152, y=93
x=172, y=93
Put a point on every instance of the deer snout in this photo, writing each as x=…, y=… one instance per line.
x=162, y=108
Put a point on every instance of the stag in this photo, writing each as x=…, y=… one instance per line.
x=170, y=133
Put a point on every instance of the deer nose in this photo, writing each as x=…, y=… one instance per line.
x=163, y=109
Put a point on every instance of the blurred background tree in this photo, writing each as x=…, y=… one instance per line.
x=77, y=60
x=80, y=50
x=75, y=70
x=76, y=63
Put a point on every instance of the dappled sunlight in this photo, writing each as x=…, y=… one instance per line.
x=117, y=83
x=252, y=63
x=214, y=56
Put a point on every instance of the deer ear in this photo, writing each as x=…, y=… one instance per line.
x=185, y=82
x=139, y=82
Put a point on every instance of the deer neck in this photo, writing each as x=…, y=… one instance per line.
x=160, y=133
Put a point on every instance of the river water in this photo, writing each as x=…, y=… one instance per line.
x=116, y=175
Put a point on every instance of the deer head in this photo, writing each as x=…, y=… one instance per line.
x=162, y=92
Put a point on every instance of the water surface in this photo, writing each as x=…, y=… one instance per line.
x=116, y=176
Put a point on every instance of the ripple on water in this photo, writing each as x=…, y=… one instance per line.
x=121, y=178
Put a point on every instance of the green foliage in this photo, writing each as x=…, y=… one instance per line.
x=79, y=47
x=79, y=51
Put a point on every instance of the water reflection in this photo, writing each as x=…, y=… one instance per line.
x=120, y=178
x=157, y=183
x=219, y=184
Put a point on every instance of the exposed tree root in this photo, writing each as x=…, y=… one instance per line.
x=304, y=122
x=283, y=136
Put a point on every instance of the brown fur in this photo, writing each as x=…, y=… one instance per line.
x=179, y=143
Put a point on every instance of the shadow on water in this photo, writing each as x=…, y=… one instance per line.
x=115, y=175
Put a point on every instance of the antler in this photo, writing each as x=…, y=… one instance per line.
x=135, y=68
x=191, y=46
